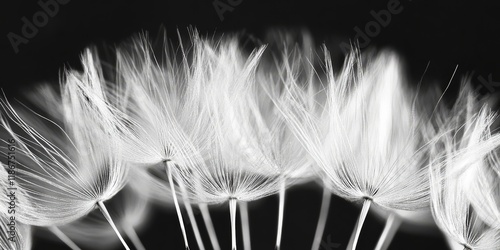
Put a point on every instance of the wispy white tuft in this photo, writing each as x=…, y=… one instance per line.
x=369, y=139
x=483, y=189
x=462, y=149
x=63, y=182
x=66, y=169
x=129, y=210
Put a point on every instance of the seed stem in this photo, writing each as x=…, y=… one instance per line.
x=323, y=215
x=391, y=227
x=176, y=203
x=205, y=213
x=281, y=212
x=351, y=239
x=359, y=225
x=192, y=219
x=232, y=214
x=105, y=212
x=245, y=225
x=132, y=235
x=63, y=237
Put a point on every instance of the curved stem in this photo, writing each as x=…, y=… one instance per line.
x=205, y=213
x=391, y=227
x=232, y=215
x=132, y=235
x=323, y=215
x=104, y=212
x=281, y=212
x=176, y=203
x=245, y=225
x=63, y=237
x=359, y=225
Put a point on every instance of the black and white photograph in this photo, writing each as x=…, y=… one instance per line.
x=244, y=124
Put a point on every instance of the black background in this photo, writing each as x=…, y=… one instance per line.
x=449, y=33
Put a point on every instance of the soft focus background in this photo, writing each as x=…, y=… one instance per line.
x=446, y=34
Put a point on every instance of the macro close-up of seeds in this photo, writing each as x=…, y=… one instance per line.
x=238, y=124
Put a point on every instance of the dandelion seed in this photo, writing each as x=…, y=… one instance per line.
x=466, y=145
x=274, y=140
x=232, y=168
x=163, y=115
x=293, y=76
x=128, y=207
x=365, y=151
x=63, y=181
x=483, y=189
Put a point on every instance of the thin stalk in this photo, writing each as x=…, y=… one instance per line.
x=351, y=239
x=205, y=213
x=192, y=219
x=280, y=212
x=232, y=215
x=63, y=237
x=132, y=235
x=323, y=215
x=245, y=225
x=362, y=217
x=176, y=203
x=104, y=212
x=391, y=227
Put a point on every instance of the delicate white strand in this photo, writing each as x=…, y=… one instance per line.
x=281, y=210
x=323, y=216
x=192, y=219
x=390, y=229
x=361, y=221
x=169, y=169
x=63, y=237
x=232, y=214
x=105, y=212
x=132, y=235
x=245, y=225
x=209, y=225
